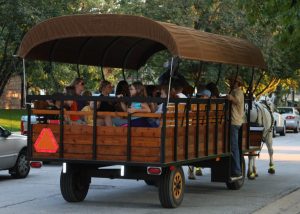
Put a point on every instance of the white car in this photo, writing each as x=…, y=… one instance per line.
x=279, y=124
x=13, y=149
x=291, y=116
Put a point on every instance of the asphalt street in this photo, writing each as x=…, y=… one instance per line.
x=40, y=192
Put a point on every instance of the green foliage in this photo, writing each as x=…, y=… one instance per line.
x=271, y=25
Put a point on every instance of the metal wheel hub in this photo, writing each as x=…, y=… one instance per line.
x=177, y=185
x=23, y=165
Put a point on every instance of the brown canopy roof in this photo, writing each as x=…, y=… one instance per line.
x=125, y=41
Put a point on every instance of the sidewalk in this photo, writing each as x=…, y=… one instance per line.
x=289, y=204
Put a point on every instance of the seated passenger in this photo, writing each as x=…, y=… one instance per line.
x=153, y=91
x=71, y=105
x=55, y=106
x=163, y=94
x=215, y=93
x=178, y=88
x=105, y=106
x=78, y=85
x=88, y=119
x=205, y=93
x=137, y=89
x=122, y=89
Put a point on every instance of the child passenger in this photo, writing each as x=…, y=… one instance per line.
x=88, y=119
x=137, y=89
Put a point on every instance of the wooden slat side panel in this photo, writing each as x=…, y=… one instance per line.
x=44, y=155
x=76, y=156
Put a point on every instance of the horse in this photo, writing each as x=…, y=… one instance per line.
x=261, y=114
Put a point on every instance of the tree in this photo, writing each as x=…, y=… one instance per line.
x=17, y=18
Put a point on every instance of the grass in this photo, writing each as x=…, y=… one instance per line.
x=11, y=118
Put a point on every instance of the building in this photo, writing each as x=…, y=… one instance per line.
x=11, y=97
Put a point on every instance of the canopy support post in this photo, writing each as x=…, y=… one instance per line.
x=236, y=74
x=123, y=73
x=219, y=74
x=129, y=51
x=250, y=87
x=170, y=80
x=77, y=70
x=102, y=73
x=260, y=77
x=80, y=53
x=103, y=56
x=24, y=83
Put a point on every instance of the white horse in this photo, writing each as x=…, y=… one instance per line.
x=261, y=114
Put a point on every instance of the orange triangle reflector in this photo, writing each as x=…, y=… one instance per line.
x=46, y=142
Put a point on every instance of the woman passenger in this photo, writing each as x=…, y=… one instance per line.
x=137, y=89
x=122, y=89
x=78, y=85
x=105, y=106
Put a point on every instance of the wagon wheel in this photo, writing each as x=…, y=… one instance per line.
x=171, y=187
x=239, y=183
x=74, y=184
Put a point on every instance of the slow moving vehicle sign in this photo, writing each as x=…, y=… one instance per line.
x=46, y=142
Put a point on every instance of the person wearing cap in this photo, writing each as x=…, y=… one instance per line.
x=236, y=97
x=204, y=93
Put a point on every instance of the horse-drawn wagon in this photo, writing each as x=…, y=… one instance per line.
x=197, y=135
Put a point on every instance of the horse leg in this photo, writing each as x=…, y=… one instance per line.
x=251, y=173
x=191, y=174
x=254, y=167
x=269, y=142
x=199, y=171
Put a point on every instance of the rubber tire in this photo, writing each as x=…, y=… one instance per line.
x=283, y=132
x=274, y=132
x=165, y=188
x=22, y=167
x=296, y=130
x=238, y=184
x=74, y=184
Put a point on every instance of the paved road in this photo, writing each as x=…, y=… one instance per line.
x=40, y=193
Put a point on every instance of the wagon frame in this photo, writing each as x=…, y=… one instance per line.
x=196, y=135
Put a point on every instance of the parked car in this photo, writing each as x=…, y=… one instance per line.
x=291, y=116
x=13, y=148
x=24, y=122
x=279, y=124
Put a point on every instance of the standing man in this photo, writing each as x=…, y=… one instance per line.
x=236, y=97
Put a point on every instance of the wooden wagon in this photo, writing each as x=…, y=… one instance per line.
x=195, y=135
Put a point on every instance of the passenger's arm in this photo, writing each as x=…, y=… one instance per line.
x=123, y=105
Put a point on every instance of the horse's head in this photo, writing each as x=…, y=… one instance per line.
x=268, y=102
